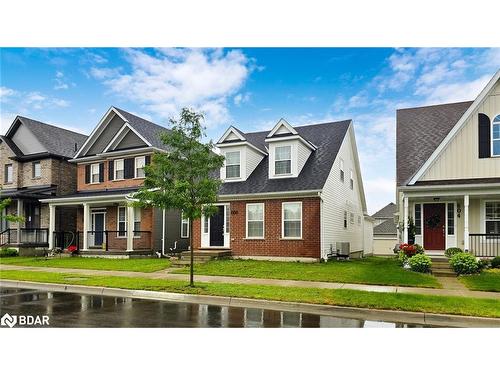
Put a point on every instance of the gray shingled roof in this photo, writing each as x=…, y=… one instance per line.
x=327, y=137
x=387, y=227
x=419, y=131
x=56, y=140
x=386, y=212
x=149, y=130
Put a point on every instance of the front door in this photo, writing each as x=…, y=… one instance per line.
x=32, y=215
x=217, y=227
x=434, y=226
x=97, y=228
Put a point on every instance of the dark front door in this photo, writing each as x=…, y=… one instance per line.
x=32, y=215
x=217, y=227
x=98, y=228
x=434, y=224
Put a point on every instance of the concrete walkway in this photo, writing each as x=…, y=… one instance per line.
x=451, y=286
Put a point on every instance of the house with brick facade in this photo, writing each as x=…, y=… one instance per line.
x=34, y=164
x=448, y=174
x=108, y=168
x=290, y=193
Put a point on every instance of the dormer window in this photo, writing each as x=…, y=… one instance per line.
x=233, y=164
x=283, y=160
x=495, y=138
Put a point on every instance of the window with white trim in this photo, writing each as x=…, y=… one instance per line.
x=94, y=173
x=283, y=160
x=140, y=163
x=351, y=179
x=255, y=220
x=495, y=136
x=351, y=217
x=233, y=164
x=341, y=170
x=9, y=173
x=36, y=169
x=205, y=224
x=345, y=219
x=119, y=169
x=122, y=221
x=492, y=217
x=228, y=219
x=137, y=220
x=359, y=219
x=451, y=218
x=292, y=220
x=418, y=219
x=184, y=227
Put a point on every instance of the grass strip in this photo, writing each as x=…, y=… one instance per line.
x=339, y=297
x=488, y=281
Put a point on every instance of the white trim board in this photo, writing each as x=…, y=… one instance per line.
x=124, y=130
x=279, y=124
x=484, y=93
x=230, y=130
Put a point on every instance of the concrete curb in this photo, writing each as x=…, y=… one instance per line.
x=327, y=310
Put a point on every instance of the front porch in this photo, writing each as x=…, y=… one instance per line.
x=445, y=218
x=105, y=227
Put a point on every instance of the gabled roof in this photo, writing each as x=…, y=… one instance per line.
x=419, y=131
x=282, y=123
x=386, y=212
x=387, y=227
x=328, y=138
x=56, y=140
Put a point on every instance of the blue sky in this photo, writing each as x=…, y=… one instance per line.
x=251, y=88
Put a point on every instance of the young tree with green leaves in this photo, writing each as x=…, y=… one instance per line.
x=183, y=178
x=4, y=203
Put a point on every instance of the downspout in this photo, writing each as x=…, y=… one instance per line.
x=163, y=232
x=321, y=229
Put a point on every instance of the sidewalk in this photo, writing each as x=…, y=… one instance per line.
x=451, y=287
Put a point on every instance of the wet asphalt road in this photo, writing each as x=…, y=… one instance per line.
x=78, y=310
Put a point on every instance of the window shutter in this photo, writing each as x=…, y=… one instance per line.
x=101, y=172
x=87, y=174
x=148, y=159
x=111, y=170
x=484, y=136
x=128, y=165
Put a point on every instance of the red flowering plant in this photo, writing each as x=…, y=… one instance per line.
x=408, y=250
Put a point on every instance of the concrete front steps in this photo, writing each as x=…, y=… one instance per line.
x=200, y=256
x=441, y=267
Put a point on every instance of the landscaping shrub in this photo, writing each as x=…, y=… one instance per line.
x=402, y=258
x=482, y=264
x=8, y=252
x=495, y=262
x=419, y=249
x=464, y=263
x=420, y=263
x=452, y=251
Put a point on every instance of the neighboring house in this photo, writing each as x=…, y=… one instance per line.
x=385, y=231
x=448, y=173
x=34, y=165
x=110, y=166
x=291, y=193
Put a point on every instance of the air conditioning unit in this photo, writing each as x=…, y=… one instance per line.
x=343, y=248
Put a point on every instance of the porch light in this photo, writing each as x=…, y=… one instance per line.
x=436, y=199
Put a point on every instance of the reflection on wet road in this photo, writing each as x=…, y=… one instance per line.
x=78, y=310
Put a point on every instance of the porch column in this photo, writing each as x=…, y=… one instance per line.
x=19, y=224
x=52, y=225
x=86, y=215
x=466, y=222
x=405, y=219
x=130, y=228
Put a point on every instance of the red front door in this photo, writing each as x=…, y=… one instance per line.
x=434, y=224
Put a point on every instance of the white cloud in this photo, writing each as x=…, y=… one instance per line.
x=165, y=82
x=61, y=82
x=241, y=98
x=6, y=92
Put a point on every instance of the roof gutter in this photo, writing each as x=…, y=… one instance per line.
x=115, y=153
x=271, y=195
x=90, y=198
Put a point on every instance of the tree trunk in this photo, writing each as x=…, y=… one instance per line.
x=191, y=268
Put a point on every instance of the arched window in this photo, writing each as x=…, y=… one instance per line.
x=495, y=136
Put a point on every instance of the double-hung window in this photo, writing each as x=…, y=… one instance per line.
x=492, y=217
x=137, y=221
x=140, y=162
x=9, y=175
x=122, y=221
x=184, y=227
x=351, y=179
x=119, y=169
x=94, y=173
x=495, y=137
x=345, y=219
x=292, y=220
x=418, y=219
x=342, y=174
x=233, y=164
x=255, y=220
x=451, y=218
x=36, y=170
x=283, y=160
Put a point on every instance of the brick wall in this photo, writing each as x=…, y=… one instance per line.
x=5, y=154
x=273, y=245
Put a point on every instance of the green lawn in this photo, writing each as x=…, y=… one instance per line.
x=487, y=280
x=372, y=270
x=339, y=297
x=138, y=265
